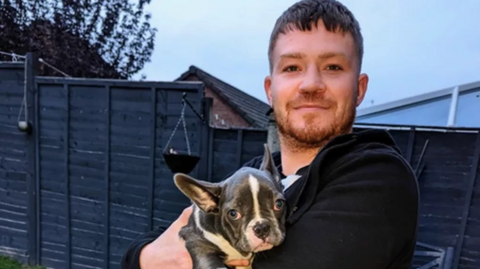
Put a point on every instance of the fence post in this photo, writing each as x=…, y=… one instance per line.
x=66, y=141
x=411, y=143
x=205, y=160
x=31, y=67
x=239, y=148
x=153, y=134
x=272, y=138
x=106, y=226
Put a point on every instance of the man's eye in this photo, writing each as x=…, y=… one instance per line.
x=290, y=68
x=334, y=67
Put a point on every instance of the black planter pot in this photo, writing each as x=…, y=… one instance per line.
x=181, y=163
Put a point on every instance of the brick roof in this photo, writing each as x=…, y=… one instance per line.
x=250, y=108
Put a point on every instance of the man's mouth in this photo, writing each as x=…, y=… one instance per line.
x=310, y=108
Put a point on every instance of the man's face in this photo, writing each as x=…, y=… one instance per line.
x=314, y=87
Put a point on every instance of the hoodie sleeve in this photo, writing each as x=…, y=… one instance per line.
x=131, y=258
x=365, y=216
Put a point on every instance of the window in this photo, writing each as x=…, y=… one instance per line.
x=468, y=109
x=428, y=113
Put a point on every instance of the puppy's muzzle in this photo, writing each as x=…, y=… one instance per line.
x=262, y=229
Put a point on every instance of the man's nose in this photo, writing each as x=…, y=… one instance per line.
x=312, y=81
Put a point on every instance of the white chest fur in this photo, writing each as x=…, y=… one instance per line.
x=221, y=242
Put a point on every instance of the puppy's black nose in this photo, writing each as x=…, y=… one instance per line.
x=261, y=230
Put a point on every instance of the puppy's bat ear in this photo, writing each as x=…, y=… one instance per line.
x=204, y=194
x=268, y=164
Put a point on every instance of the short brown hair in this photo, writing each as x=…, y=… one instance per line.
x=306, y=13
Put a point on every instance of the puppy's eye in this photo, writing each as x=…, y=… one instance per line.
x=234, y=214
x=279, y=204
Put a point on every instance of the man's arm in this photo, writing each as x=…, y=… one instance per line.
x=365, y=217
x=131, y=258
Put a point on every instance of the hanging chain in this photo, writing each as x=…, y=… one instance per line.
x=185, y=128
x=24, y=105
x=174, y=130
x=182, y=118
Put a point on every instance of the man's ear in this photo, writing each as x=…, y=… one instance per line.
x=268, y=164
x=362, y=88
x=267, y=85
x=204, y=194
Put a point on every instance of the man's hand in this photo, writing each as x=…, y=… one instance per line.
x=168, y=250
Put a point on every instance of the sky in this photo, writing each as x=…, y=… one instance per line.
x=411, y=47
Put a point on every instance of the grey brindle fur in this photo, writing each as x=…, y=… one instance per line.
x=212, y=220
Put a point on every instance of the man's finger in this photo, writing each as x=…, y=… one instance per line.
x=238, y=263
x=183, y=218
x=186, y=214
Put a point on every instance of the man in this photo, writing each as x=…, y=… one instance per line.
x=356, y=202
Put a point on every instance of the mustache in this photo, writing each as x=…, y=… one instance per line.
x=310, y=98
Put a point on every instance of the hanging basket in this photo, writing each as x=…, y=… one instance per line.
x=181, y=163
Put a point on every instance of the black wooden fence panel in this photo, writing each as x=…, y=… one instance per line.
x=468, y=242
x=231, y=148
x=102, y=177
x=14, y=222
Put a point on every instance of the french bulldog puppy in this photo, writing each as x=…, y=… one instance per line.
x=235, y=218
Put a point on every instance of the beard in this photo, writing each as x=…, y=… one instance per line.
x=312, y=136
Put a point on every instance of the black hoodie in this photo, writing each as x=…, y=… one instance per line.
x=355, y=207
